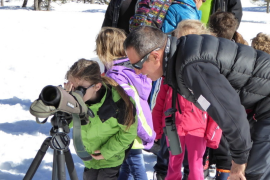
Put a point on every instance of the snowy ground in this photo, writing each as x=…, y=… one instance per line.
x=36, y=49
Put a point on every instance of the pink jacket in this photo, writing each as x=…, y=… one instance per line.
x=191, y=120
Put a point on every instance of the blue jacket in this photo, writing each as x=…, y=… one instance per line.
x=179, y=11
x=138, y=87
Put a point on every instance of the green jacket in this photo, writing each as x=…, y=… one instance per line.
x=206, y=9
x=107, y=135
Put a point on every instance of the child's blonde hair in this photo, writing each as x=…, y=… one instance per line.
x=261, y=42
x=190, y=26
x=109, y=45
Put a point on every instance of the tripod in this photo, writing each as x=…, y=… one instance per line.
x=59, y=142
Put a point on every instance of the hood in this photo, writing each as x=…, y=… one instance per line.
x=127, y=75
x=189, y=2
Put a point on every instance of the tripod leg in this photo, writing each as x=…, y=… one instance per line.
x=37, y=160
x=70, y=165
x=54, y=171
x=61, y=171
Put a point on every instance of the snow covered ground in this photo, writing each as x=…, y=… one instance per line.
x=36, y=49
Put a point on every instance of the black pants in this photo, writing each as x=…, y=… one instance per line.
x=101, y=174
x=161, y=166
x=258, y=166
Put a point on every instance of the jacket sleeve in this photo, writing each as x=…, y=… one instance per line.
x=235, y=7
x=145, y=122
x=120, y=141
x=158, y=111
x=170, y=22
x=207, y=84
x=108, y=18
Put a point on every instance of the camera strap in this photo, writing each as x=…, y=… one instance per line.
x=77, y=139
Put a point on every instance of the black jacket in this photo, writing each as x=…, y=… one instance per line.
x=118, y=14
x=233, y=6
x=231, y=77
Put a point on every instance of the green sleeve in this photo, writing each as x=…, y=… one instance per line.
x=120, y=141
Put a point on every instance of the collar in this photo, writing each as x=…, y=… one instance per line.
x=169, y=61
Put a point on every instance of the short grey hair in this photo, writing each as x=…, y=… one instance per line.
x=144, y=39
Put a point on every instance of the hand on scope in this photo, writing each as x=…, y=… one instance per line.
x=68, y=86
x=97, y=155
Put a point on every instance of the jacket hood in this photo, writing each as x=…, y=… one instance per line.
x=189, y=2
x=128, y=76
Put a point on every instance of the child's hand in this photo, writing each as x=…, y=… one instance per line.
x=68, y=86
x=97, y=155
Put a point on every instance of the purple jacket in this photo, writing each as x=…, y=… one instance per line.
x=138, y=87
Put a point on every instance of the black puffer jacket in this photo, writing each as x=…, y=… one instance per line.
x=219, y=75
x=233, y=6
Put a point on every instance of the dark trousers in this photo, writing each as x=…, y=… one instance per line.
x=161, y=166
x=258, y=166
x=101, y=174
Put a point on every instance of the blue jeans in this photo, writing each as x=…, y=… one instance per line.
x=133, y=167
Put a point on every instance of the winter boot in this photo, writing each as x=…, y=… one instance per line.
x=185, y=176
x=161, y=176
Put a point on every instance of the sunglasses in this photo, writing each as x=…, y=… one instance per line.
x=83, y=89
x=138, y=65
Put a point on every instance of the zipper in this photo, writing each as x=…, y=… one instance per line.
x=214, y=133
x=203, y=117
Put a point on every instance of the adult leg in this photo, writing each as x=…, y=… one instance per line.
x=258, y=166
x=175, y=163
x=196, y=147
x=136, y=165
x=161, y=166
x=108, y=173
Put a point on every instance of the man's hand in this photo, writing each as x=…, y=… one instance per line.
x=97, y=155
x=237, y=171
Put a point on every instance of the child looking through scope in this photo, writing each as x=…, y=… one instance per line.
x=109, y=134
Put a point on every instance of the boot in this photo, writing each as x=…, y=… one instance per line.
x=185, y=176
x=161, y=177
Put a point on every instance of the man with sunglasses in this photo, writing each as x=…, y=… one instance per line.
x=220, y=77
